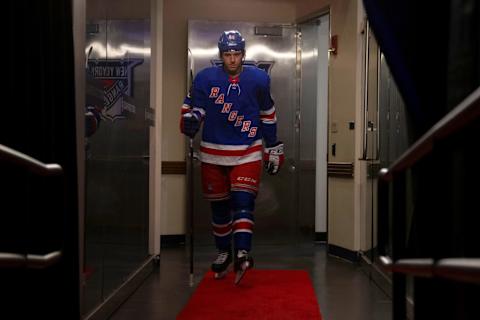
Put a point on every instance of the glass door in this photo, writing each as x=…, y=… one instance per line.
x=117, y=154
x=386, y=136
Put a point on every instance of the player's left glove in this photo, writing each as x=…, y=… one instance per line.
x=273, y=158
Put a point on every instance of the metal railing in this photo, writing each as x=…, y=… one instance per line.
x=463, y=269
x=30, y=164
x=393, y=209
x=457, y=269
x=27, y=260
x=465, y=113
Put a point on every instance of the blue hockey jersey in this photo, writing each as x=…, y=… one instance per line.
x=237, y=113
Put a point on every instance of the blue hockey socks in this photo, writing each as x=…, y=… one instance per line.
x=222, y=224
x=243, y=204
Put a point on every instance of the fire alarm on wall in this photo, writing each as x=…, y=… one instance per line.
x=333, y=45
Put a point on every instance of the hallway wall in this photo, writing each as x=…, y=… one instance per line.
x=345, y=201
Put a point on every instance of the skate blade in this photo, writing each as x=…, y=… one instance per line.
x=239, y=276
x=241, y=272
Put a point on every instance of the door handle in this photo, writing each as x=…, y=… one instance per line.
x=30, y=261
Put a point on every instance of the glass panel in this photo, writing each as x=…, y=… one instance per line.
x=394, y=132
x=372, y=146
x=388, y=136
x=313, y=129
x=308, y=128
x=276, y=205
x=117, y=164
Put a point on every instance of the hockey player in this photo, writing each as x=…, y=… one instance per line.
x=234, y=104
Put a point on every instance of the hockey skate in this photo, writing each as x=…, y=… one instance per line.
x=220, y=265
x=243, y=262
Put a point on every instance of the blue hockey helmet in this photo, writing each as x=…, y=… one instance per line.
x=231, y=40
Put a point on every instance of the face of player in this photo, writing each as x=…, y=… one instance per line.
x=232, y=62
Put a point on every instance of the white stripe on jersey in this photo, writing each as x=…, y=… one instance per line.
x=230, y=160
x=268, y=116
x=229, y=147
x=270, y=121
x=267, y=112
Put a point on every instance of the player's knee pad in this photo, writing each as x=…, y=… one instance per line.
x=221, y=211
x=242, y=201
x=241, y=216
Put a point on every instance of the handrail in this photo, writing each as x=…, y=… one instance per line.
x=467, y=111
x=415, y=267
x=458, y=269
x=29, y=163
x=30, y=261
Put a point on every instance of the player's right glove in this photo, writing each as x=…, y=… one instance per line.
x=190, y=124
x=273, y=158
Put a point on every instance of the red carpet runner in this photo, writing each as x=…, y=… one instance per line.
x=262, y=294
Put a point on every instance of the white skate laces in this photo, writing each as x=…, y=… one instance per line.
x=221, y=258
x=242, y=253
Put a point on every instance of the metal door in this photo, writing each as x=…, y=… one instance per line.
x=313, y=146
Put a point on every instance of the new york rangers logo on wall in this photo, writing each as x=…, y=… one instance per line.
x=117, y=78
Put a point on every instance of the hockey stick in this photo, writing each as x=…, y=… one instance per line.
x=190, y=209
x=191, y=187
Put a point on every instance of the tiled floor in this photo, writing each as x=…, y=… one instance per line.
x=343, y=290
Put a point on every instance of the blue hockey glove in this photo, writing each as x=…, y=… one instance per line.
x=190, y=124
x=273, y=158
